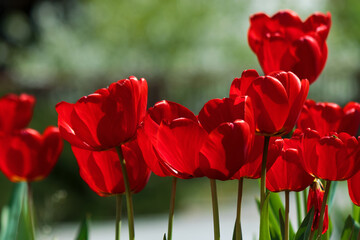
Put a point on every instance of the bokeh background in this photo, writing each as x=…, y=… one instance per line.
x=189, y=52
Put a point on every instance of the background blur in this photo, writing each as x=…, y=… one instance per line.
x=189, y=52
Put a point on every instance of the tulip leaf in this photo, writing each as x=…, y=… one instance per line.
x=164, y=238
x=282, y=224
x=11, y=217
x=351, y=229
x=275, y=232
x=356, y=213
x=332, y=191
x=83, y=233
x=305, y=227
x=264, y=220
x=234, y=232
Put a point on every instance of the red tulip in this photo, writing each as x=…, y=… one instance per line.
x=287, y=173
x=315, y=199
x=277, y=98
x=15, y=112
x=333, y=157
x=26, y=155
x=252, y=166
x=106, y=118
x=325, y=117
x=163, y=111
x=101, y=170
x=354, y=188
x=283, y=42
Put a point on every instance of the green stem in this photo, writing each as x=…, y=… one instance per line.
x=30, y=211
x=321, y=220
x=172, y=207
x=298, y=208
x=263, y=170
x=118, y=216
x=129, y=204
x=215, y=209
x=238, y=212
x=287, y=206
x=305, y=201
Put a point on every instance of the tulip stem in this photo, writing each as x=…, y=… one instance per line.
x=323, y=205
x=129, y=204
x=172, y=207
x=118, y=216
x=263, y=170
x=238, y=212
x=287, y=206
x=30, y=211
x=215, y=209
x=298, y=208
x=305, y=201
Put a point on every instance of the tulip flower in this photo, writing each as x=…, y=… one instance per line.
x=287, y=173
x=15, y=112
x=333, y=157
x=283, y=42
x=354, y=188
x=163, y=111
x=101, y=170
x=277, y=99
x=106, y=118
x=325, y=117
x=252, y=166
x=26, y=155
x=315, y=199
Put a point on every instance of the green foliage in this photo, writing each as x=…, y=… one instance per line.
x=83, y=233
x=305, y=227
x=351, y=229
x=264, y=220
x=10, y=215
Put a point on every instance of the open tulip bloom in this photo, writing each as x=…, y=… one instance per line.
x=284, y=42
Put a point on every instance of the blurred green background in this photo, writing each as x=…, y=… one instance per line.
x=189, y=52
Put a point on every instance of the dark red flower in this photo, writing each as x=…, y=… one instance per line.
x=354, y=188
x=26, y=155
x=283, y=42
x=147, y=134
x=252, y=166
x=15, y=112
x=277, y=99
x=315, y=199
x=101, y=170
x=287, y=172
x=106, y=118
x=325, y=117
x=333, y=157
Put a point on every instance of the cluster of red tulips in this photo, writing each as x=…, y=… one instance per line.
x=265, y=128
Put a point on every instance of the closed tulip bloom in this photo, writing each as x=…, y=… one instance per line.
x=252, y=166
x=26, y=155
x=315, y=199
x=147, y=134
x=101, y=170
x=277, y=99
x=106, y=118
x=332, y=157
x=230, y=124
x=287, y=172
x=326, y=117
x=354, y=188
x=284, y=42
x=15, y=112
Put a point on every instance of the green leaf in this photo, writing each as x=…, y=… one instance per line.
x=164, y=238
x=356, y=213
x=264, y=220
x=234, y=232
x=305, y=227
x=10, y=220
x=331, y=194
x=83, y=233
x=282, y=224
x=351, y=229
x=26, y=223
